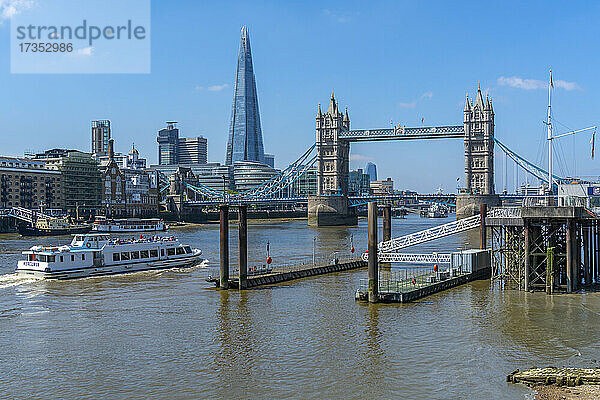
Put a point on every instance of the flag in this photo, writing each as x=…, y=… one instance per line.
x=551, y=80
x=422, y=119
x=592, y=142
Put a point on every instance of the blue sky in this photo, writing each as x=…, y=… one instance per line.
x=399, y=61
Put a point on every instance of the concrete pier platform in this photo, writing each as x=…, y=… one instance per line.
x=284, y=274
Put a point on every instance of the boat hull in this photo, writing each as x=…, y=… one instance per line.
x=91, y=271
x=25, y=230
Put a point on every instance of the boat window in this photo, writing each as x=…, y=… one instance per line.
x=162, y=252
x=72, y=257
x=51, y=259
x=79, y=238
x=83, y=257
x=61, y=259
x=153, y=253
x=144, y=254
x=30, y=257
x=125, y=256
x=116, y=257
x=171, y=252
x=188, y=250
x=135, y=255
x=180, y=250
x=42, y=258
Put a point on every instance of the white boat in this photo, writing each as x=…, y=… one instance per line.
x=97, y=254
x=103, y=224
x=436, y=211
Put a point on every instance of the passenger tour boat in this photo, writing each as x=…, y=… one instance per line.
x=97, y=254
x=103, y=224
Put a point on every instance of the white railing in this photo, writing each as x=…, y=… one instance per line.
x=407, y=258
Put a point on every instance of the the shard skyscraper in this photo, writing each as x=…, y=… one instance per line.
x=245, y=135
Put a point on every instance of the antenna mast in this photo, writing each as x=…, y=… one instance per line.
x=549, y=124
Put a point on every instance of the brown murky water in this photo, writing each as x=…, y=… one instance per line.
x=170, y=335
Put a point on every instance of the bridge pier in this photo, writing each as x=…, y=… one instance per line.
x=330, y=210
x=468, y=205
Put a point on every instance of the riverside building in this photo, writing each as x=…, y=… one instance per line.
x=27, y=183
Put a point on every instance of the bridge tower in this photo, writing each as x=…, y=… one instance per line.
x=479, y=157
x=330, y=206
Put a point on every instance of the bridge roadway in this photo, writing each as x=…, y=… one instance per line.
x=403, y=133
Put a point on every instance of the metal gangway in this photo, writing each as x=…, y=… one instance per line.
x=387, y=249
x=408, y=258
x=23, y=214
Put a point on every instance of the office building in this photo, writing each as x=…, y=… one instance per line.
x=382, y=188
x=371, y=170
x=270, y=160
x=245, y=141
x=358, y=183
x=27, y=183
x=168, y=140
x=100, y=136
x=192, y=150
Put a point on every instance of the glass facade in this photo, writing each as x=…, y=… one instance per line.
x=168, y=140
x=245, y=134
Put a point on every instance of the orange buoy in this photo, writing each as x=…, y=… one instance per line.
x=435, y=268
x=269, y=260
x=352, y=249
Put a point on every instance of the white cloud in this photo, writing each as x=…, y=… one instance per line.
x=213, y=88
x=86, y=51
x=359, y=157
x=339, y=17
x=532, y=84
x=413, y=104
x=10, y=8
x=217, y=88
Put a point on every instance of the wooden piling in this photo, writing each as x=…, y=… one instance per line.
x=586, y=254
x=570, y=254
x=224, y=239
x=483, y=227
x=243, y=242
x=527, y=257
x=373, y=271
x=387, y=228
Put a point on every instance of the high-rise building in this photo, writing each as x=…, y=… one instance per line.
x=270, y=160
x=245, y=135
x=168, y=140
x=371, y=170
x=192, y=150
x=100, y=137
x=358, y=183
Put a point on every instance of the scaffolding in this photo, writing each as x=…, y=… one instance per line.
x=551, y=249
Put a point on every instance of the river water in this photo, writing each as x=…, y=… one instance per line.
x=171, y=335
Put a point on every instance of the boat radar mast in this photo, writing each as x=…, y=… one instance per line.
x=548, y=123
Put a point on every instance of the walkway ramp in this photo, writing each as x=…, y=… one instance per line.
x=437, y=232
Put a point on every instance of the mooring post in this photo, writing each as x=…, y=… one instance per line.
x=243, y=240
x=570, y=256
x=527, y=260
x=387, y=222
x=387, y=228
x=224, y=271
x=483, y=226
x=373, y=271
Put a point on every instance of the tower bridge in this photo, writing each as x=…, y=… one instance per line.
x=330, y=154
x=333, y=138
